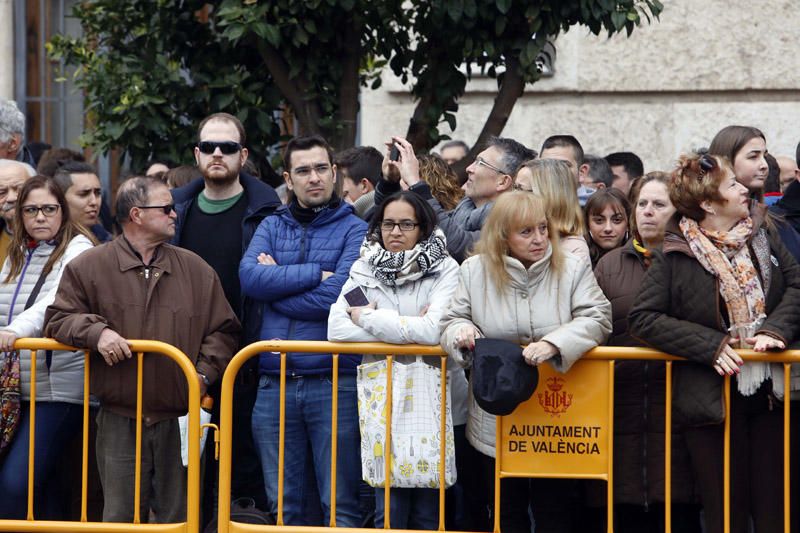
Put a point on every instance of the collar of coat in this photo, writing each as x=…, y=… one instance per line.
x=128, y=258
x=521, y=277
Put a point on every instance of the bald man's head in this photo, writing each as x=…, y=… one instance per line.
x=12, y=176
x=789, y=171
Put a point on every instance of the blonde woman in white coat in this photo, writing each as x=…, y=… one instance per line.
x=44, y=241
x=521, y=287
x=408, y=278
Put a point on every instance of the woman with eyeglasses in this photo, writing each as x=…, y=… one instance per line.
x=553, y=180
x=407, y=277
x=520, y=287
x=607, y=212
x=722, y=281
x=45, y=240
x=639, y=386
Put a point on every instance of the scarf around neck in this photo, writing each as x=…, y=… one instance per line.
x=725, y=255
x=306, y=215
x=396, y=268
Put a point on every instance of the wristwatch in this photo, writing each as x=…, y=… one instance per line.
x=205, y=379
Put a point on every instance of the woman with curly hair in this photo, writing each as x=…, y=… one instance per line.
x=441, y=179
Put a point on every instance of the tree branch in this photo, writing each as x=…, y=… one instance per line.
x=307, y=113
x=349, y=90
x=511, y=89
x=419, y=124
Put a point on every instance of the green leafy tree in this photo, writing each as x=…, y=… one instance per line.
x=152, y=69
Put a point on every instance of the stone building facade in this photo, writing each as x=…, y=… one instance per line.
x=665, y=90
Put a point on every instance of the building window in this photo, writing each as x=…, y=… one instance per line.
x=53, y=110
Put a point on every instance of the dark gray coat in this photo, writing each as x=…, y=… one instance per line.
x=679, y=310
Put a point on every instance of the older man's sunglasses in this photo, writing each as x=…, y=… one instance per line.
x=166, y=209
x=226, y=147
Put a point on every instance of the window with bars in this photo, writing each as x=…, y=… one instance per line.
x=53, y=110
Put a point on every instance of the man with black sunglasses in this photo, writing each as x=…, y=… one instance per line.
x=139, y=287
x=217, y=217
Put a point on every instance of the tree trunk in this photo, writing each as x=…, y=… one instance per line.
x=419, y=124
x=345, y=137
x=511, y=89
x=295, y=91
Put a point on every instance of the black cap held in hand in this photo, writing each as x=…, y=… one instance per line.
x=501, y=379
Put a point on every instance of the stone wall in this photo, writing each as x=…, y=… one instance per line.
x=6, y=49
x=668, y=88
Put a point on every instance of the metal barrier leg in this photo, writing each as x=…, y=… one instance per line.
x=387, y=478
x=334, y=435
x=32, y=436
x=281, y=438
x=668, y=449
x=726, y=465
x=85, y=440
x=442, y=441
x=497, y=470
x=787, y=431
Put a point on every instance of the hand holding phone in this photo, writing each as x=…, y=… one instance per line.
x=356, y=298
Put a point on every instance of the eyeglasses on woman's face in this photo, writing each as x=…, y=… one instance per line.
x=404, y=225
x=32, y=211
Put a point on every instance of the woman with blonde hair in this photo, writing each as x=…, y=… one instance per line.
x=553, y=180
x=521, y=288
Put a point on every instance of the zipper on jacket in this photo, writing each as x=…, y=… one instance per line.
x=301, y=261
x=19, y=284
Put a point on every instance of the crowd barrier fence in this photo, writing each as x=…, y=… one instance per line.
x=139, y=348
x=607, y=356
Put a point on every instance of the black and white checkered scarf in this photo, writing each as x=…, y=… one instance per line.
x=396, y=268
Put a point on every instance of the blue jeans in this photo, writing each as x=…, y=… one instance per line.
x=411, y=508
x=308, y=432
x=56, y=424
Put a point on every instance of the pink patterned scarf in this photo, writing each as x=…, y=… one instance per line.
x=725, y=255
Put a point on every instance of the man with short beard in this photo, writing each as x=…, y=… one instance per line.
x=13, y=175
x=217, y=217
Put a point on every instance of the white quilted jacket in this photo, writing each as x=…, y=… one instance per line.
x=63, y=381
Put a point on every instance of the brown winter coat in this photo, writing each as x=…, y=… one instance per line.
x=178, y=299
x=679, y=310
x=639, y=398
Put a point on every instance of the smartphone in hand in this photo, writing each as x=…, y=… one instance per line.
x=356, y=298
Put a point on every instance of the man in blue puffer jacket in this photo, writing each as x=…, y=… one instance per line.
x=296, y=265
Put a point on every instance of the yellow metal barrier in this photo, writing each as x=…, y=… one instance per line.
x=225, y=525
x=139, y=347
